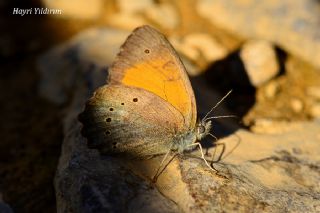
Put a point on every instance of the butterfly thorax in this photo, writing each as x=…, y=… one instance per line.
x=183, y=142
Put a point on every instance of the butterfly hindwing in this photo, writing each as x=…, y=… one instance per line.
x=123, y=119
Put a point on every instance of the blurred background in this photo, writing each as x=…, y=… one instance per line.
x=267, y=52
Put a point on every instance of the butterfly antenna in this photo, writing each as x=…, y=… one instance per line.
x=221, y=116
x=217, y=104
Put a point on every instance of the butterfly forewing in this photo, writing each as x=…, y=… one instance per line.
x=148, y=61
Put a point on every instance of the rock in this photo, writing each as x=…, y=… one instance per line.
x=271, y=126
x=126, y=21
x=262, y=172
x=200, y=49
x=129, y=14
x=314, y=92
x=260, y=61
x=293, y=25
x=95, y=48
x=315, y=110
x=165, y=15
x=132, y=14
x=76, y=9
x=296, y=105
x=197, y=45
x=271, y=89
x=4, y=208
x=270, y=172
x=131, y=7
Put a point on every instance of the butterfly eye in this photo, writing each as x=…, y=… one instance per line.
x=135, y=100
x=201, y=129
x=122, y=103
x=147, y=51
x=107, y=132
x=108, y=120
x=111, y=109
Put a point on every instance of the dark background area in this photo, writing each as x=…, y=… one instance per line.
x=31, y=131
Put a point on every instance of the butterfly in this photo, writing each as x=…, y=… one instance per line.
x=148, y=106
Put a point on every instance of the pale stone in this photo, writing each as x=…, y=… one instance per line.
x=200, y=44
x=269, y=126
x=126, y=21
x=296, y=105
x=260, y=61
x=188, y=51
x=130, y=6
x=315, y=110
x=164, y=15
x=77, y=9
x=314, y=92
x=271, y=89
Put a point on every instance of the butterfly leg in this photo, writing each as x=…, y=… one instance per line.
x=220, y=155
x=156, y=175
x=202, y=155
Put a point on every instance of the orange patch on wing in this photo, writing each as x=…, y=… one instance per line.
x=161, y=79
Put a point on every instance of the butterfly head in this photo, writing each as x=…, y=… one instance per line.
x=202, y=129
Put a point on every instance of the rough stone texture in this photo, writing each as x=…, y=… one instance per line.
x=292, y=24
x=271, y=172
x=291, y=96
x=260, y=61
x=88, y=182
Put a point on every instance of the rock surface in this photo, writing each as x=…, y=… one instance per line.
x=260, y=61
x=5, y=208
x=82, y=10
x=198, y=45
x=63, y=61
x=293, y=25
x=271, y=172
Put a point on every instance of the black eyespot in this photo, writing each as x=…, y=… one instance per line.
x=107, y=132
x=147, y=51
x=108, y=119
x=111, y=109
x=122, y=103
x=135, y=100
